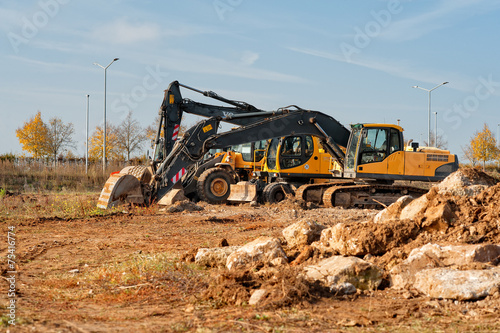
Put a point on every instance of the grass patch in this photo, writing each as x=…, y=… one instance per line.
x=153, y=277
x=36, y=176
x=58, y=205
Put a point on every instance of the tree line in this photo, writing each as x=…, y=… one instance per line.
x=53, y=138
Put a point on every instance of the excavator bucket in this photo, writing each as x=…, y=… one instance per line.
x=243, y=192
x=124, y=187
x=120, y=189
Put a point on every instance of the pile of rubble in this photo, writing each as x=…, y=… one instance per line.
x=445, y=244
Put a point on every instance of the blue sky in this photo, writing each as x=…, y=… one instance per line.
x=354, y=60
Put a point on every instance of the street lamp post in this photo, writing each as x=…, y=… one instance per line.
x=429, y=117
x=498, y=139
x=104, y=128
x=498, y=135
x=435, y=129
x=87, y=138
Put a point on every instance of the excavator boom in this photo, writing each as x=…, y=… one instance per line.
x=123, y=187
x=203, y=137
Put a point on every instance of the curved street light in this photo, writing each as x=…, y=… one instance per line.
x=429, y=118
x=104, y=129
x=87, y=138
x=498, y=135
x=435, y=129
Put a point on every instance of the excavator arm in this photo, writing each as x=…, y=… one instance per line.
x=267, y=125
x=173, y=159
x=174, y=105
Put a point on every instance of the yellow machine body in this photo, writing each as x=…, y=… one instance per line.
x=377, y=151
x=244, y=159
x=298, y=157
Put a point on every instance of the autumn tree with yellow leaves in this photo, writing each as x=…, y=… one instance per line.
x=33, y=136
x=42, y=140
x=484, y=146
x=112, y=143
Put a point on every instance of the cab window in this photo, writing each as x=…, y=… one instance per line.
x=353, y=144
x=292, y=146
x=309, y=146
x=271, y=153
x=291, y=152
x=260, y=147
x=373, y=146
x=395, y=141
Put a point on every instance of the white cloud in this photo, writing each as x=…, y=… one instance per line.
x=248, y=58
x=397, y=68
x=121, y=31
x=202, y=64
x=442, y=16
x=59, y=67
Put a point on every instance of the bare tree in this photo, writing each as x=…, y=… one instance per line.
x=440, y=143
x=468, y=153
x=59, y=137
x=131, y=135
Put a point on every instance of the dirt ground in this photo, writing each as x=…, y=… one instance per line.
x=130, y=272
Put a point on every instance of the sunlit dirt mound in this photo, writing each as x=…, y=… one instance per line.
x=291, y=202
x=280, y=287
x=473, y=220
x=466, y=182
x=463, y=209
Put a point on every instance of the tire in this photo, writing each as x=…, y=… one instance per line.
x=214, y=185
x=276, y=192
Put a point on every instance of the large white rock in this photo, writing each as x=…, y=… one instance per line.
x=172, y=196
x=414, y=208
x=438, y=217
x=264, y=250
x=394, y=210
x=214, y=257
x=337, y=239
x=454, y=284
x=458, y=183
x=302, y=233
x=257, y=296
x=336, y=270
x=434, y=255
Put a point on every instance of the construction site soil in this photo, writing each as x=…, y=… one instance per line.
x=133, y=271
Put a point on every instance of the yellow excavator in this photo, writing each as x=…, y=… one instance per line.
x=376, y=158
x=364, y=174
x=369, y=159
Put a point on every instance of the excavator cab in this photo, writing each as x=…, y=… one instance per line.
x=376, y=151
x=295, y=158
